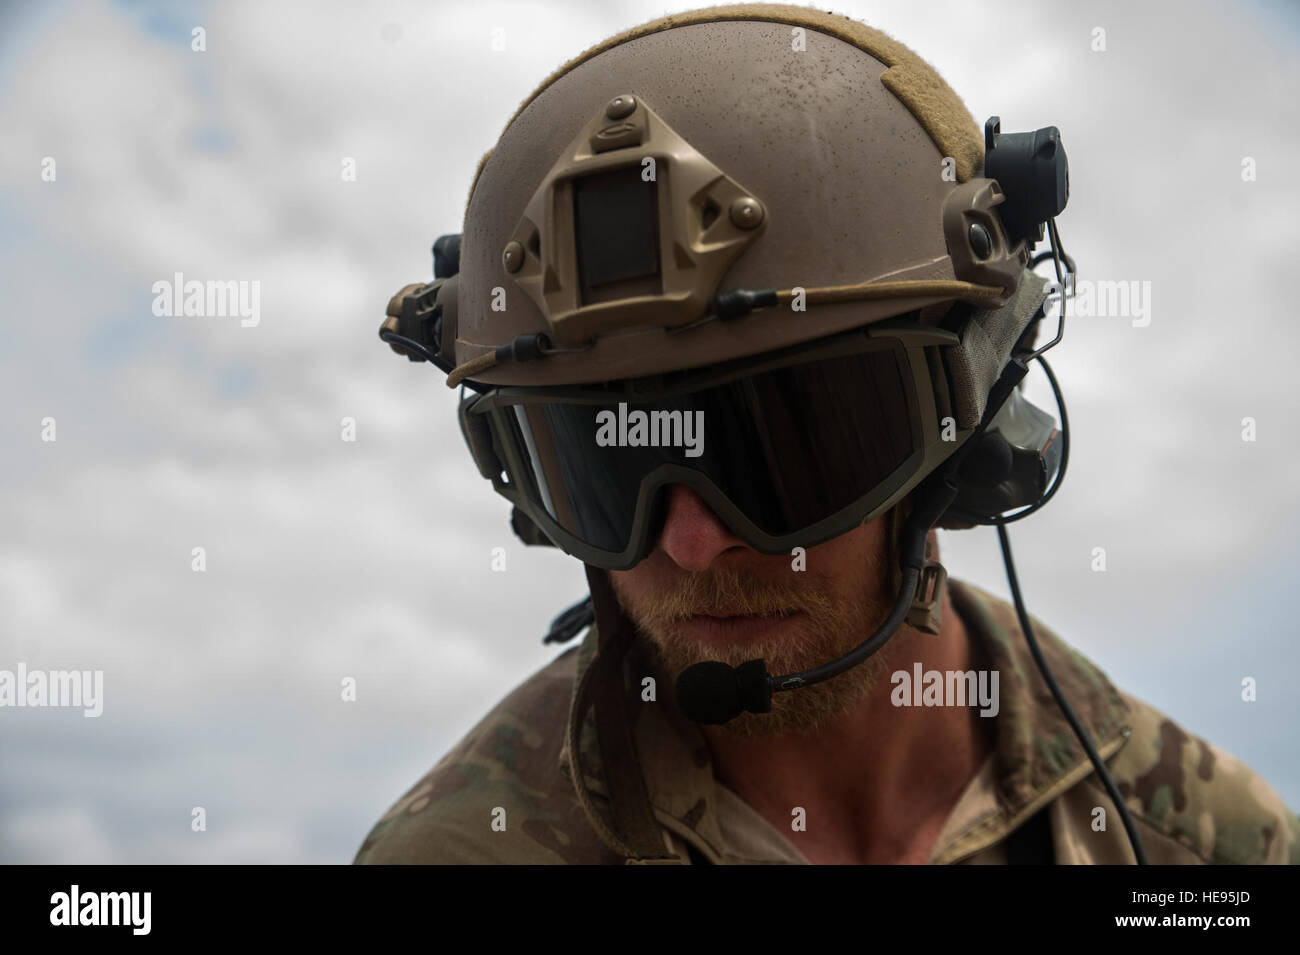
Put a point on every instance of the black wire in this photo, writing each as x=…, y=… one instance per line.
x=421, y=353
x=410, y=344
x=1129, y=826
x=906, y=594
x=999, y=520
x=1055, y=238
x=1047, y=254
x=1057, y=253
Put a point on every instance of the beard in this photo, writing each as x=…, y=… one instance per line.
x=828, y=626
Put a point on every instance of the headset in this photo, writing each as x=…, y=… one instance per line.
x=1012, y=464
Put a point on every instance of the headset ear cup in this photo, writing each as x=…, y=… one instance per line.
x=527, y=531
x=1012, y=466
x=446, y=255
x=478, y=438
x=444, y=337
x=989, y=462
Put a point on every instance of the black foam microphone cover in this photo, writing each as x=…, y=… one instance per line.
x=709, y=693
x=713, y=692
x=755, y=687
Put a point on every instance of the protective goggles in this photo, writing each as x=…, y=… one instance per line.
x=788, y=449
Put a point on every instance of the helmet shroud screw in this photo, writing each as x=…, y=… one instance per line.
x=620, y=106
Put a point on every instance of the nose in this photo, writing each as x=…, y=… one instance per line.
x=693, y=536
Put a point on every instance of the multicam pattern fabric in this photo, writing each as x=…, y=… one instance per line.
x=504, y=793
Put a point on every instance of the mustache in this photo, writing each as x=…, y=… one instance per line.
x=735, y=592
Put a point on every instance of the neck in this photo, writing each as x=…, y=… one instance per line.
x=877, y=783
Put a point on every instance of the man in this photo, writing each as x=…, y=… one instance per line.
x=743, y=303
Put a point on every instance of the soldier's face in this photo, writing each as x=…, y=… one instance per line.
x=702, y=594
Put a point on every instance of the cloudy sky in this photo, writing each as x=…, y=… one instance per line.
x=370, y=559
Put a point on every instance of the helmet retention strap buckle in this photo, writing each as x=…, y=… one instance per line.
x=926, y=611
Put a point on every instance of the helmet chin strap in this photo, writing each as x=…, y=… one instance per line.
x=630, y=829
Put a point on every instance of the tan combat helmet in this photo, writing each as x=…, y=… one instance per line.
x=731, y=182
x=788, y=148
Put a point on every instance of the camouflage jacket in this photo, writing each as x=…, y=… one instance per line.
x=506, y=793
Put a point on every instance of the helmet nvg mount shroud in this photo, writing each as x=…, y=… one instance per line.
x=785, y=225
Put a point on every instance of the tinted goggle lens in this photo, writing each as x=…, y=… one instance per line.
x=789, y=447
